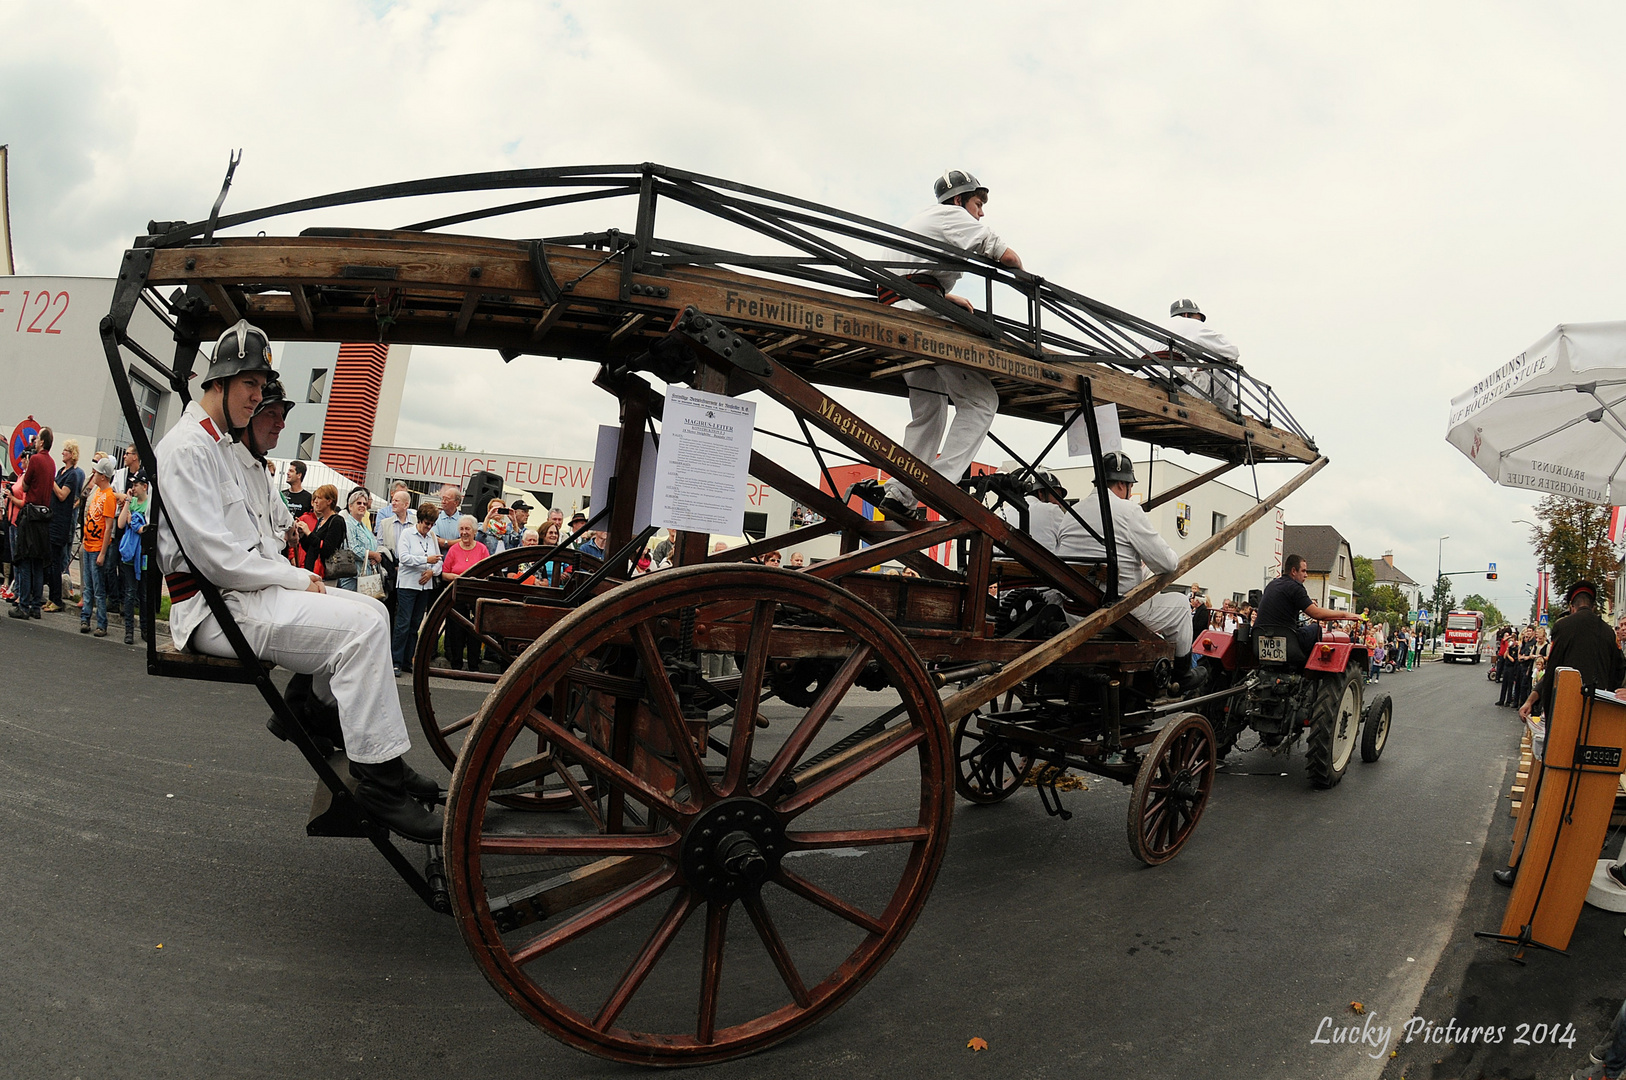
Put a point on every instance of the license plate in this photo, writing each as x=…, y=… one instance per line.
x=1272, y=648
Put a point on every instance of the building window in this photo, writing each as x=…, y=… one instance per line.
x=1340, y=566
x=307, y=446
x=146, y=399
x=756, y=525
x=1216, y=524
x=1242, y=542
x=1239, y=599
x=318, y=387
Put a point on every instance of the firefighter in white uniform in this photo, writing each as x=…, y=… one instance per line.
x=1166, y=614
x=1188, y=321
x=286, y=614
x=955, y=221
x=253, y=444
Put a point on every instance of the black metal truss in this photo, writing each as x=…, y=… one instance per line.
x=819, y=245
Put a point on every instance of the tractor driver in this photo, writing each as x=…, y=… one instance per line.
x=955, y=221
x=287, y=615
x=1051, y=526
x=1279, y=610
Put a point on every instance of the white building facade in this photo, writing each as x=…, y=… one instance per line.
x=53, y=367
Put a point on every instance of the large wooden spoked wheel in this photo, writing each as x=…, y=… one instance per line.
x=444, y=733
x=1171, y=788
x=815, y=840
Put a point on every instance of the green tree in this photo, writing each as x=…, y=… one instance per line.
x=1443, y=600
x=456, y=448
x=1365, y=581
x=1493, y=614
x=1572, y=540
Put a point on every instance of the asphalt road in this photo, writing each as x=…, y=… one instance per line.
x=165, y=916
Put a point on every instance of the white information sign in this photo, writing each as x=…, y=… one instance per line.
x=1078, y=433
x=609, y=443
x=703, y=470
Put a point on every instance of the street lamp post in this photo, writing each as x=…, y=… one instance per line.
x=1439, y=600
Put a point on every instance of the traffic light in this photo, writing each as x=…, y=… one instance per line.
x=1490, y=574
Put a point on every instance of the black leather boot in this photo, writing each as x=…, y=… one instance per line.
x=381, y=791
x=1191, y=679
x=321, y=718
x=418, y=785
x=1505, y=876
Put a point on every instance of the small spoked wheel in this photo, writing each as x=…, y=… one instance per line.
x=525, y=573
x=742, y=866
x=1171, y=789
x=988, y=769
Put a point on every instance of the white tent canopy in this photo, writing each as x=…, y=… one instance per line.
x=1552, y=419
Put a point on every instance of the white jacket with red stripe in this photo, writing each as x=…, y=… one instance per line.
x=204, y=505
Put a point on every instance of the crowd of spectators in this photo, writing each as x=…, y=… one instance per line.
x=1521, y=658
x=50, y=510
x=399, y=549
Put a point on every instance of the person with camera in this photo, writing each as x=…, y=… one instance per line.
x=498, y=532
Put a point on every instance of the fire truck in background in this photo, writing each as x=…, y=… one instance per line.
x=1464, y=633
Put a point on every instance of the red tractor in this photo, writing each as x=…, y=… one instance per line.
x=1259, y=683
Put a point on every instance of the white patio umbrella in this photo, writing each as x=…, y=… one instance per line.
x=1552, y=419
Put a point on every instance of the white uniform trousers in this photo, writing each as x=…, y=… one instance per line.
x=1168, y=615
x=339, y=637
x=931, y=391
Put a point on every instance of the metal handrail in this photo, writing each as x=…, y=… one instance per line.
x=821, y=245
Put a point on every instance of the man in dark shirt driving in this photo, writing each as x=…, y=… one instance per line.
x=1279, y=610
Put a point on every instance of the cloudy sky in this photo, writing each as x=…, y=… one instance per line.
x=1379, y=203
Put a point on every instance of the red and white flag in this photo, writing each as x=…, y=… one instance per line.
x=1617, y=523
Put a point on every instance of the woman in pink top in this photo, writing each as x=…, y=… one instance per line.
x=462, y=555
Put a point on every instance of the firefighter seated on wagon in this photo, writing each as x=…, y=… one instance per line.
x=287, y=615
x=1051, y=524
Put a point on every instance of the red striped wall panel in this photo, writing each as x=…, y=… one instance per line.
x=352, y=408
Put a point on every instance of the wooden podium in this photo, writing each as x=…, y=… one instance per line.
x=1585, y=748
